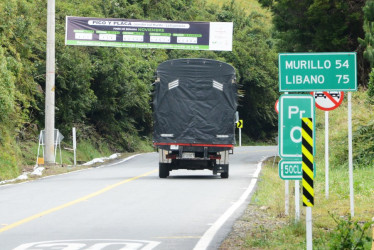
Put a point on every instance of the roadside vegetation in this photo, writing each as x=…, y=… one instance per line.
x=267, y=227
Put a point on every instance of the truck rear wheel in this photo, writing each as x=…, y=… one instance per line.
x=163, y=170
x=225, y=174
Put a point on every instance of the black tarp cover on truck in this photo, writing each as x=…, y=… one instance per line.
x=194, y=101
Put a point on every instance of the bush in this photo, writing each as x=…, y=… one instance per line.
x=364, y=145
x=350, y=234
x=371, y=87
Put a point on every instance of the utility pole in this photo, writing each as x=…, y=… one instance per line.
x=50, y=85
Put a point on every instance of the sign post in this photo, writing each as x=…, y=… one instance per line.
x=308, y=176
x=239, y=125
x=301, y=72
x=327, y=101
x=292, y=109
x=305, y=72
x=350, y=154
x=326, y=154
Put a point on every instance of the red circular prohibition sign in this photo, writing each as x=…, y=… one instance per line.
x=328, y=102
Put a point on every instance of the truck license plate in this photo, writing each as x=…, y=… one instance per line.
x=188, y=155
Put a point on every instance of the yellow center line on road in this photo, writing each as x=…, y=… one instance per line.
x=84, y=198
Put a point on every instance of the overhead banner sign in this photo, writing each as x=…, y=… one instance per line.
x=114, y=32
x=317, y=72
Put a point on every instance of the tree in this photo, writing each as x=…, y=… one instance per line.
x=368, y=41
x=256, y=63
x=320, y=26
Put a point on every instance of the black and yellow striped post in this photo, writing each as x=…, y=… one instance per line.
x=307, y=161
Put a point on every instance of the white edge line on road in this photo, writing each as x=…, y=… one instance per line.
x=124, y=160
x=74, y=171
x=208, y=236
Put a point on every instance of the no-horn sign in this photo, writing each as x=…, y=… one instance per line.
x=328, y=100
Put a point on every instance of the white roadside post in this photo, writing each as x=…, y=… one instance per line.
x=287, y=197
x=240, y=137
x=350, y=157
x=287, y=192
x=239, y=125
x=297, y=200
x=309, y=229
x=75, y=146
x=327, y=154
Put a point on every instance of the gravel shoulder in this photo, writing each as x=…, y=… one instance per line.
x=256, y=222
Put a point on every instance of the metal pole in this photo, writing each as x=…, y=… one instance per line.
x=287, y=198
x=309, y=239
x=50, y=85
x=350, y=157
x=287, y=195
x=327, y=154
x=240, y=137
x=297, y=200
x=75, y=146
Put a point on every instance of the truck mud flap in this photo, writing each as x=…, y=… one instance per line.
x=220, y=168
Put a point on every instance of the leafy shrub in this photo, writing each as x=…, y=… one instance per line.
x=350, y=234
x=371, y=87
x=364, y=145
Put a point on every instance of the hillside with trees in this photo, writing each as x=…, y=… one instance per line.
x=105, y=92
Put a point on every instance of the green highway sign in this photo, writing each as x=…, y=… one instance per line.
x=290, y=169
x=291, y=109
x=305, y=72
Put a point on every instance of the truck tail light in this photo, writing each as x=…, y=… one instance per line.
x=215, y=157
x=171, y=156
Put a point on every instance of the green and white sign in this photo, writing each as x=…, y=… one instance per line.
x=290, y=169
x=291, y=109
x=307, y=72
x=131, y=33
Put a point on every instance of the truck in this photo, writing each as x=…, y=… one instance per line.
x=194, y=106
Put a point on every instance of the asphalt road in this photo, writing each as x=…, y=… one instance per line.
x=124, y=205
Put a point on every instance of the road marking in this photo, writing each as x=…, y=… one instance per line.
x=178, y=237
x=87, y=197
x=124, y=160
x=91, y=244
x=208, y=236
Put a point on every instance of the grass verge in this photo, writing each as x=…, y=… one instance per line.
x=265, y=225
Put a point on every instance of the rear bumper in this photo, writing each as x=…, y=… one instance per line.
x=159, y=144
